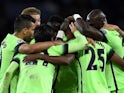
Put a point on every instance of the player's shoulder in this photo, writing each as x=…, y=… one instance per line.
x=11, y=40
x=11, y=37
x=107, y=31
x=103, y=44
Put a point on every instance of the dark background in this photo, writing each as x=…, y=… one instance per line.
x=9, y=9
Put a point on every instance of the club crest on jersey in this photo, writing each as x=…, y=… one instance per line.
x=20, y=41
x=103, y=31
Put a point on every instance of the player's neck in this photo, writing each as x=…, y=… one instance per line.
x=19, y=35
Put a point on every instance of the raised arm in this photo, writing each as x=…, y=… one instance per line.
x=74, y=45
x=80, y=43
x=88, y=30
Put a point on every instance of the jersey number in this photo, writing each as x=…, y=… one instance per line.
x=91, y=65
x=31, y=63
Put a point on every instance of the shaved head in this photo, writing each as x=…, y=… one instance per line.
x=96, y=18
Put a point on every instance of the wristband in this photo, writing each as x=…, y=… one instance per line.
x=76, y=16
x=60, y=34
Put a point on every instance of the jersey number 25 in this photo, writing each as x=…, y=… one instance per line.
x=91, y=65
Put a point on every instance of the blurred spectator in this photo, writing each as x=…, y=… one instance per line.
x=12, y=8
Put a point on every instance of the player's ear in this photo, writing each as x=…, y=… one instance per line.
x=24, y=31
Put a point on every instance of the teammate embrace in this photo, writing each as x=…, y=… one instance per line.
x=65, y=56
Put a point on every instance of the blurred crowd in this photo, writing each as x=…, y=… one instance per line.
x=12, y=8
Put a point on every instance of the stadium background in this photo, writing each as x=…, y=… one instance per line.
x=9, y=9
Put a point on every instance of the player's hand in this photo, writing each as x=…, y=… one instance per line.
x=122, y=33
x=31, y=57
x=73, y=27
x=71, y=18
x=64, y=25
x=114, y=27
x=110, y=27
x=91, y=41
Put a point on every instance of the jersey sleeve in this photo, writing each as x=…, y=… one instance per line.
x=17, y=47
x=110, y=36
x=77, y=44
x=103, y=33
x=109, y=51
x=72, y=46
x=5, y=82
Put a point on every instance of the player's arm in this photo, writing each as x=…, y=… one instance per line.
x=74, y=45
x=77, y=44
x=116, y=59
x=37, y=47
x=60, y=60
x=88, y=30
x=8, y=75
x=64, y=27
x=112, y=27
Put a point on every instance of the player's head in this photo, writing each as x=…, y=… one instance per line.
x=55, y=21
x=96, y=18
x=24, y=26
x=35, y=13
x=44, y=33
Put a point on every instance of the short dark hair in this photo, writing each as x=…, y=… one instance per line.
x=94, y=14
x=55, y=21
x=55, y=18
x=44, y=33
x=23, y=21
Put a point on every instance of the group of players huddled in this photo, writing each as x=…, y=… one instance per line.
x=69, y=55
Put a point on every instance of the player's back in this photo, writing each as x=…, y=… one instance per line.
x=93, y=62
x=67, y=78
x=7, y=51
x=115, y=40
x=117, y=43
x=35, y=76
